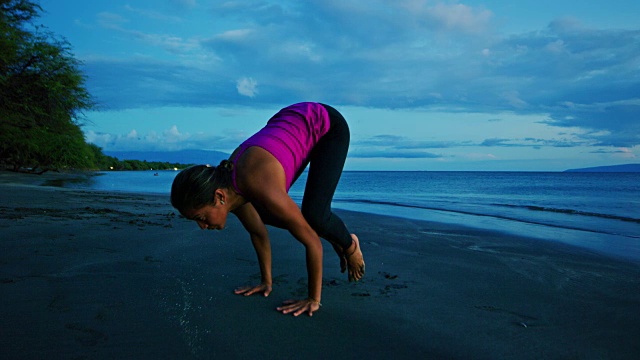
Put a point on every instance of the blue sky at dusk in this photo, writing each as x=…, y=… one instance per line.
x=425, y=85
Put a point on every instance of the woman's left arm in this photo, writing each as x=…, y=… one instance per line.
x=282, y=207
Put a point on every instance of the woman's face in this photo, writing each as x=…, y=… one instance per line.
x=211, y=217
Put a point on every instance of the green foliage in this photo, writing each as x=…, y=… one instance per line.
x=148, y=165
x=42, y=95
x=104, y=162
x=42, y=98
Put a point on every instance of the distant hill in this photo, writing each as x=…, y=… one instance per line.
x=613, y=168
x=181, y=156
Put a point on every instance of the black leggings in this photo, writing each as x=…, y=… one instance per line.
x=326, y=162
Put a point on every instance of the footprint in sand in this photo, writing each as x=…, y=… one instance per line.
x=519, y=319
x=86, y=336
x=59, y=303
x=388, y=276
x=391, y=289
x=150, y=259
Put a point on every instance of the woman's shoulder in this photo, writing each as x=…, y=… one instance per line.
x=234, y=154
x=258, y=169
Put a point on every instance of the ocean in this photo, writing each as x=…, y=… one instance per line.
x=596, y=211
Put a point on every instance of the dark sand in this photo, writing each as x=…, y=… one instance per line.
x=93, y=275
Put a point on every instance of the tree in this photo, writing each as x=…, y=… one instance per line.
x=42, y=94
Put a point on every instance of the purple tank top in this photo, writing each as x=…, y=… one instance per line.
x=289, y=136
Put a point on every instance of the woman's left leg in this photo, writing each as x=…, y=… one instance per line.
x=326, y=162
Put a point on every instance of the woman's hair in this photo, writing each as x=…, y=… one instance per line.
x=195, y=187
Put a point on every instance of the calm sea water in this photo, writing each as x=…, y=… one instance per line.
x=598, y=211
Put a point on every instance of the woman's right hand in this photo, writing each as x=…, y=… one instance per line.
x=265, y=289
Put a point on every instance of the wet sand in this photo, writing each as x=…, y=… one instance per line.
x=96, y=275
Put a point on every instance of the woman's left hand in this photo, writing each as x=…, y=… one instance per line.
x=297, y=307
x=265, y=289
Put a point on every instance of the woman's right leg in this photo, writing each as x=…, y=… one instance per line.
x=326, y=164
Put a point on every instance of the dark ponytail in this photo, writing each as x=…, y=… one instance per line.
x=195, y=187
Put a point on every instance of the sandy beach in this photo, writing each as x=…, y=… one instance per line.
x=97, y=275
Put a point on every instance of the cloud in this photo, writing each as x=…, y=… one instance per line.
x=393, y=154
x=625, y=154
x=247, y=86
x=173, y=135
x=393, y=146
x=404, y=143
x=610, y=124
x=535, y=143
x=144, y=82
x=496, y=142
x=110, y=20
x=461, y=17
x=479, y=156
x=401, y=54
x=168, y=140
x=232, y=36
x=133, y=135
x=171, y=43
x=184, y=4
x=153, y=14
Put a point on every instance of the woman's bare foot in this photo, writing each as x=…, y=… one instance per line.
x=355, y=260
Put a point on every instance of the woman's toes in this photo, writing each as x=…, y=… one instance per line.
x=355, y=260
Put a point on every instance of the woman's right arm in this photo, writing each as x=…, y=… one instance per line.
x=252, y=222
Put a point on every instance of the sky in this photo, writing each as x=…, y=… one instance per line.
x=492, y=85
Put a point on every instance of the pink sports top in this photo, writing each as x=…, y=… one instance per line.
x=289, y=136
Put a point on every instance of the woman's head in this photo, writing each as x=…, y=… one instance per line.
x=195, y=187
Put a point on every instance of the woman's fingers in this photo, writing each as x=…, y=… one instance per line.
x=241, y=290
x=250, y=290
x=298, y=307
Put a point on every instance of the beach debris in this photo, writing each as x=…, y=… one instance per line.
x=388, y=276
x=150, y=259
x=87, y=336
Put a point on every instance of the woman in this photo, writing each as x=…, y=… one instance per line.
x=254, y=183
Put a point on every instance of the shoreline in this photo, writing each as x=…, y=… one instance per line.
x=8, y=177
x=624, y=249
x=99, y=274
